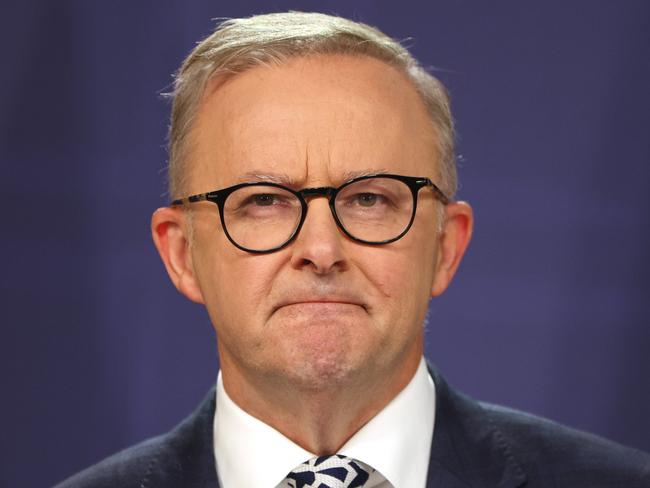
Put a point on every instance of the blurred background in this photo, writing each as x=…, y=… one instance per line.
x=550, y=310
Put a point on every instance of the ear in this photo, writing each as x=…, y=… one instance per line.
x=171, y=230
x=453, y=241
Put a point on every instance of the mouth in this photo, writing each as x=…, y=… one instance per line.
x=317, y=304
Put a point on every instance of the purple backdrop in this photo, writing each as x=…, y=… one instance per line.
x=549, y=312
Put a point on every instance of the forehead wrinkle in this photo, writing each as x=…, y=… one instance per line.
x=306, y=160
x=255, y=176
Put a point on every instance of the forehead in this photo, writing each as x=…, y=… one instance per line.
x=311, y=120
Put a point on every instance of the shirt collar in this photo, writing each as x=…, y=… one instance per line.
x=396, y=442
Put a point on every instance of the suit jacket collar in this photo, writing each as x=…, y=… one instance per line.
x=186, y=458
x=468, y=450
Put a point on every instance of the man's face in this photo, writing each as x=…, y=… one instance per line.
x=324, y=310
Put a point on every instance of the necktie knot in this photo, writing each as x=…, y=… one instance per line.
x=334, y=471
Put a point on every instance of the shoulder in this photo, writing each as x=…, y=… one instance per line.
x=489, y=445
x=182, y=457
x=128, y=468
x=552, y=454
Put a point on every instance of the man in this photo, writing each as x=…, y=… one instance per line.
x=312, y=175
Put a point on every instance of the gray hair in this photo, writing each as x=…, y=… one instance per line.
x=237, y=45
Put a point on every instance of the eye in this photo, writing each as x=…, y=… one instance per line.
x=269, y=199
x=263, y=199
x=367, y=199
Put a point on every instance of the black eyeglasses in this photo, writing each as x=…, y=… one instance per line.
x=264, y=217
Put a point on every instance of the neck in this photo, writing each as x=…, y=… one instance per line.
x=319, y=419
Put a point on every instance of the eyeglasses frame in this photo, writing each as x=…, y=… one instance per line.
x=218, y=197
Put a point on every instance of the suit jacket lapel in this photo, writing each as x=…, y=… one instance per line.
x=187, y=458
x=468, y=450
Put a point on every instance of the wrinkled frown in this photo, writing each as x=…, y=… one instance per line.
x=324, y=311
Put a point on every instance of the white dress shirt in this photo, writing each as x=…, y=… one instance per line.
x=396, y=442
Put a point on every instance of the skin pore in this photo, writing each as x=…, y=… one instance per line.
x=318, y=337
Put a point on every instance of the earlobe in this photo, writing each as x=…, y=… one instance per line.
x=170, y=232
x=453, y=241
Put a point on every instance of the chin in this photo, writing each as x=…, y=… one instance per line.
x=322, y=368
x=322, y=352
x=320, y=376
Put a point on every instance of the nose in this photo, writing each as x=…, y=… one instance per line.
x=319, y=245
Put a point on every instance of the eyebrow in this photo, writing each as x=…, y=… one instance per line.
x=284, y=179
x=351, y=175
x=262, y=176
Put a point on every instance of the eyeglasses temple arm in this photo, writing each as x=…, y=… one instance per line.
x=191, y=199
x=441, y=196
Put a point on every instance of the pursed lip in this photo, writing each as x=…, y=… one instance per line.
x=315, y=300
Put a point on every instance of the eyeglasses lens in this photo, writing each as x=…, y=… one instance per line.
x=261, y=217
x=375, y=209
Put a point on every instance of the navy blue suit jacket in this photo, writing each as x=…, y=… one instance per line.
x=474, y=445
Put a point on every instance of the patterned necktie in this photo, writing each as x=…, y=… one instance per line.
x=329, y=472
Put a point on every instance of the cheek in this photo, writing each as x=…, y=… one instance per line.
x=402, y=278
x=234, y=286
x=403, y=275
